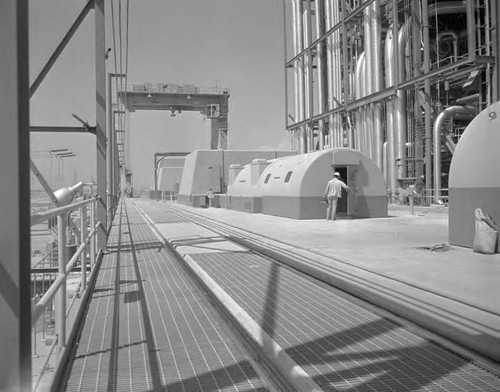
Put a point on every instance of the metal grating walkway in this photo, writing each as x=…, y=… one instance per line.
x=148, y=328
x=340, y=342
x=341, y=345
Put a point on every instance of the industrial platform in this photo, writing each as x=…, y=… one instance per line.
x=152, y=326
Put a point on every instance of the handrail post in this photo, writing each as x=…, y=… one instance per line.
x=92, y=240
x=61, y=293
x=83, y=238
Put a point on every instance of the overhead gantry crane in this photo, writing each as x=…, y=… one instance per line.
x=178, y=98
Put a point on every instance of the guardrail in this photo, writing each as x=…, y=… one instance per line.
x=424, y=198
x=55, y=297
x=176, y=89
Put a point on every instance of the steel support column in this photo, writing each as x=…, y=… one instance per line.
x=214, y=139
x=110, y=136
x=15, y=304
x=100, y=73
x=116, y=172
x=111, y=149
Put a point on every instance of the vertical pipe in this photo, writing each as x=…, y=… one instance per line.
x=320, y=71
x=377, y=136
x=301, y=95
x=358, y=93
x=471, y=30
x=389, y=81
x=309, y=101
x=295, y=131
x=400, y=103
x=347, y=76
x=307, y=74
x=368, y=75
x=285, y=59
x=83, y=237
x=427, y=93
x=329, y=69
x=488, y=53
x=363, y=110
x=61, y=293
x=337, y=72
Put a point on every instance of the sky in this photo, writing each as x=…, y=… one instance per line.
x=230, y=43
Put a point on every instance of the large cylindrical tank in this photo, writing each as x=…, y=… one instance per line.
x=474, y=180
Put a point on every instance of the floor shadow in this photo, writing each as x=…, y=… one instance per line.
x=198, y=242
x=375, y=368
x=193, y=241
x=115, y=329
x=93, y=353
x=131, y=296
x=269, y=316
x=218, y=380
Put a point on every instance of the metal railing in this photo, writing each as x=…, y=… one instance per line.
x=425, y=198
x=54, y=298
x=176, y=89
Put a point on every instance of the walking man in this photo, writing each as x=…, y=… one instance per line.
x=333, y=192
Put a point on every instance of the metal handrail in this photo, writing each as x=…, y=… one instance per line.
x=61, y=279
x=57, y=291
x=44, y=216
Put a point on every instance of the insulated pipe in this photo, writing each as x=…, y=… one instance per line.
x=307, y=77
x=320, y=53
x=337, y=75
x=302, y=101
x=329, y=68
x=460, y=112
x=400, y=103
x=377, y=136
x=358, y=88
x=447, y=8
x=300, y=68
x=471, y=29
x=367, y=82
x=390, y=175
x=364, y=111
x=295, y=71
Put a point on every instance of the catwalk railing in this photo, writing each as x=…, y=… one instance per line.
x=67, y=276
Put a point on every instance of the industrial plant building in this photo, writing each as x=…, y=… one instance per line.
x=398, y=80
